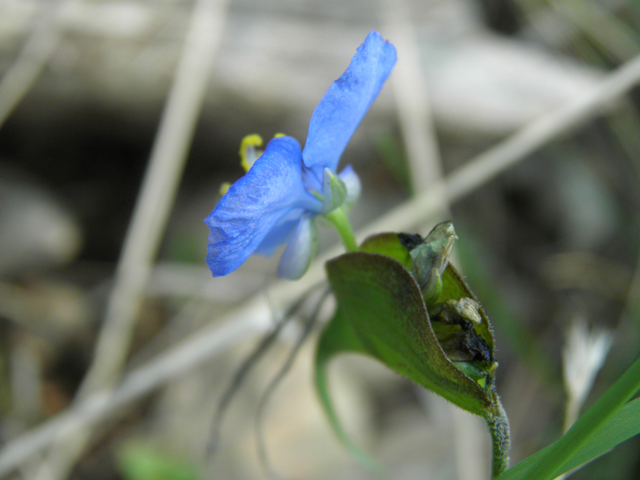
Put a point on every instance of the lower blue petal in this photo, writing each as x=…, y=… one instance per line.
x=346, y=102
x=280, y=234
x=255, y=205
x=300, y=250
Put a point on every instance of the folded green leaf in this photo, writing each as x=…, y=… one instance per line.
x=382, y=313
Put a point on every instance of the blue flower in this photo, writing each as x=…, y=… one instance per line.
x=278, y=198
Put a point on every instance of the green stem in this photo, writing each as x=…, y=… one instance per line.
x=498, y=424
x=338, y=218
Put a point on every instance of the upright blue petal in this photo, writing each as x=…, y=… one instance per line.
x=255, y=204
x=344, y=105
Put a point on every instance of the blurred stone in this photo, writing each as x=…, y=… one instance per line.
x=591, y=212
x=36, y=231
x=56, y=311
x=283, y=55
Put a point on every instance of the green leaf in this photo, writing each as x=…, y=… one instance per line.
x=141, y=462
x=624, y=425
x=382, y=313
x=606, y=424
x=453, y=285
x=386, y=310
x=338, y=337
x=388, y=244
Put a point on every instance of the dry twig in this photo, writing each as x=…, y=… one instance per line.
x=149, y=220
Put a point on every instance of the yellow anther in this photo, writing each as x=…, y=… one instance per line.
x=248, y=151
x=279, y=135
x=224, y=188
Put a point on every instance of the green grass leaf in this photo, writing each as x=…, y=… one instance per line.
x=606, y=424
x=142, y=462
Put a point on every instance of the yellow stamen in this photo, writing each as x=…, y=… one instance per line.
x=248, y=152
x=224, y=188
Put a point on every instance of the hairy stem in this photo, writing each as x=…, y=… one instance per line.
x=498, y=424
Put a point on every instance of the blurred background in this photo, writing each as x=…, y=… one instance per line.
x=550, y=245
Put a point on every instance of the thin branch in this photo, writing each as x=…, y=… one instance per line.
x=412, y=97
x=307, y=326
x=245, y=368
x=158, y=191
x=497, y=159
x=255, y=314
x=606, y=30
x=33, y=56
x=253, y=319
x=150, y=216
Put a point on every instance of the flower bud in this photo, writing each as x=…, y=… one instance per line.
x=334, y=192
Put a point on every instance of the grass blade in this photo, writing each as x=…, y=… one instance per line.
x=606, y=424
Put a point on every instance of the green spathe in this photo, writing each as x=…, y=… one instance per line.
x=381, y=312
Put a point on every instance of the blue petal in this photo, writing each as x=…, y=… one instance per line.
x=300, y=250
x=346, y=102
x=280, y=234
x=255, y=204
x=352, y=181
